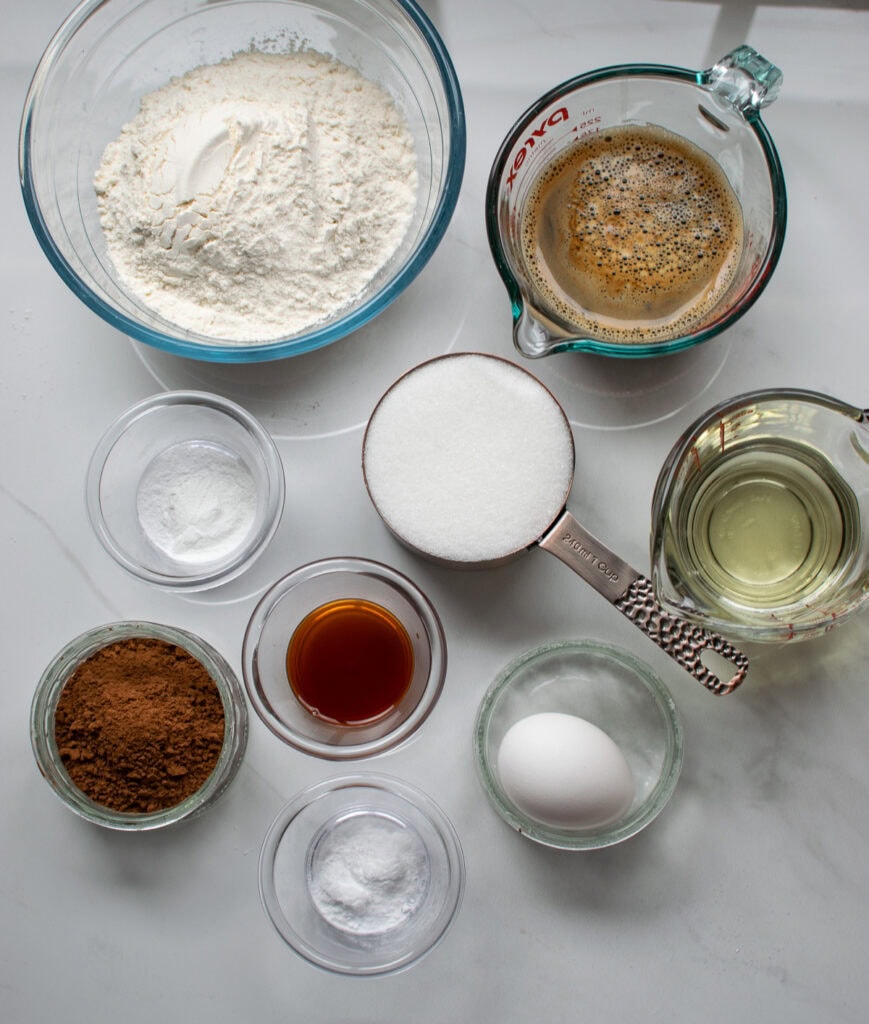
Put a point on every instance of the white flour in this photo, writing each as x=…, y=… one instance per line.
x=252, y=199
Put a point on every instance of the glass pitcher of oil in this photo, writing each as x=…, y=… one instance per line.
x=760, y=517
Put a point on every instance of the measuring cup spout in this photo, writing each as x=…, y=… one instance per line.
x=535, y=336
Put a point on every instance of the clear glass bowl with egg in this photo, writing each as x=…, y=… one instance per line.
x=158, y=460
x=362, y=874
x=48, y=756
x=108, y=54
x=578, y=799
x=342, y=585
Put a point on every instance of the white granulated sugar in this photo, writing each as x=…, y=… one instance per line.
x=252, y=199
x=468, y=458
x=197, y=502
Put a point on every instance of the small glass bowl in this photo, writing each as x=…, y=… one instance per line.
x=58, y=673
x=334, y=935
x=606, y=686
x=109, y=53
x=194, y=420
x=278, y=615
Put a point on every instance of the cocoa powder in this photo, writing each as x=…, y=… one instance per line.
x=140, y=725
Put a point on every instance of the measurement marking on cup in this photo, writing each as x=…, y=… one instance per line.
x=590, y=556
x=536, y=133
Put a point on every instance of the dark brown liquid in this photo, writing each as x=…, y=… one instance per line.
x=632, y=234
x=350, y=662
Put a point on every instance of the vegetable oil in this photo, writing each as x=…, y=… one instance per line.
x=765, y=525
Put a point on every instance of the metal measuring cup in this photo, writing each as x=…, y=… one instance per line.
x=560, y=533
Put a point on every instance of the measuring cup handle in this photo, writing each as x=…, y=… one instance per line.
x=634, y=597
x=682, y=640
x=744, y=78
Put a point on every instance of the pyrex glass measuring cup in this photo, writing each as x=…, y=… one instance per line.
x=760, y=517
x=469, y=460
x=718, y=110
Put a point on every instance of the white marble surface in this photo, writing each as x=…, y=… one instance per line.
x=748, y=898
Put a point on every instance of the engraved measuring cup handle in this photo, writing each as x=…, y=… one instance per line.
x=744, y=78
x=634, y=597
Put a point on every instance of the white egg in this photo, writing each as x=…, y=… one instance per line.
x=564, y=772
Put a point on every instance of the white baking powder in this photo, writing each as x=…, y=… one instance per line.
x=468, y=458
x=252, y=199
x=369, y=874
x=197, y=502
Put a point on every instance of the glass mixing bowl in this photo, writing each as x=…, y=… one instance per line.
x=109, y=53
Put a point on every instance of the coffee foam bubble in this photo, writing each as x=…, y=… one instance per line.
x=632, y=234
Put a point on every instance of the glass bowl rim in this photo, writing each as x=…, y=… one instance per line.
x=55, y=677
x=272, y=463
x=635, y=350
x=657, y=799
x=298, y=344
x=354, y=566
x=395, y=787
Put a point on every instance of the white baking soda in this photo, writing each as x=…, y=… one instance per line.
x=468, y=458
x=197, y=502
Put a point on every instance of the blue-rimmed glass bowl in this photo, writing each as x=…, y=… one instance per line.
x=109, y=53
